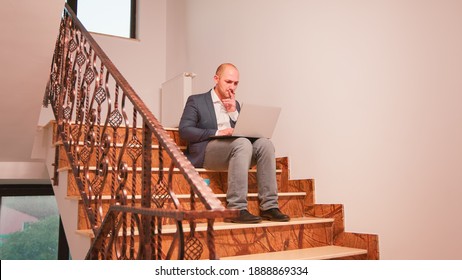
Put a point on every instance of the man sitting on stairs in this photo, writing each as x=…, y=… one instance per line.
x=215, y=113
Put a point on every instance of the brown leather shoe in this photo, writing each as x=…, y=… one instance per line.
x=274, y=215
x=244, y=218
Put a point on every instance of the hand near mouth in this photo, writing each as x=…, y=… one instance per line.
x=229, y=102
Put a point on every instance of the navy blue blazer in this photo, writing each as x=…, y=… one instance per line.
x=197, y=124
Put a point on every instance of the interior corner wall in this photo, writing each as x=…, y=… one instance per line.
x=142, y=61
x=370, y=94
x=176, y=52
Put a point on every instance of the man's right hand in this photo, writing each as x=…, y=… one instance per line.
x=230, y=101
x=225, y=132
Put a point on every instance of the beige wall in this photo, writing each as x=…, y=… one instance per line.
x=176, y=53
x=28, y=33
x=371, y=97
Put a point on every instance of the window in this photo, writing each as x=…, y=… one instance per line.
x=30, y=226
x=112, y=17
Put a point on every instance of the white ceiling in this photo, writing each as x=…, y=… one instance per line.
x=28, y=31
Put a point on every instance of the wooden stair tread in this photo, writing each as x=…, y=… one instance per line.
x=315, y=253
x=122, y=126
x=165, y=169
x=117, y=145
x=229, y=226
x=187, y=196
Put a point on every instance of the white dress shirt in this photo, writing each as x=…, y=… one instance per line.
x=220, y=112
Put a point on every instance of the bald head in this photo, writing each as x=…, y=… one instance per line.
x=223, y=67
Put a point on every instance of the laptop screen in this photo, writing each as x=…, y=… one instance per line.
x=256, y=121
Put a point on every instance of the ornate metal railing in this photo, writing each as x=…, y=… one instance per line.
x=105, y=147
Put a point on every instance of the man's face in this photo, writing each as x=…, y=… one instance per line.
x=226, y=82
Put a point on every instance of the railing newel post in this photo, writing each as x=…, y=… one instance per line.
x=146, y=190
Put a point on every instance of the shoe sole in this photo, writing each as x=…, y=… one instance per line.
x=242, y=222
x=275, y=220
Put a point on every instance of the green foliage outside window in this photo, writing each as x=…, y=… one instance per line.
x=38, y=241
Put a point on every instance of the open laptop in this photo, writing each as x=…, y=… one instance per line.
x=255, y=121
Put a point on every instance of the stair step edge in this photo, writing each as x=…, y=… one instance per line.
x=122, y=126
x=166, y=229
x=117, y=145
x=315, y=253
x=187, y=196
x=165, y=169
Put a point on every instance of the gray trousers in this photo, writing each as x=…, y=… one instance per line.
x=237, y=155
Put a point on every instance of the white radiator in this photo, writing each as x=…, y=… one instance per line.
x=174, y=94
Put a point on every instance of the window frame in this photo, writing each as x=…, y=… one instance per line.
x=74, y=6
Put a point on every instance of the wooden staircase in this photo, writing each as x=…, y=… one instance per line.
x=125, y=190
x=314, y=232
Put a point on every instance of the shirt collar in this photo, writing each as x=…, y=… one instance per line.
x=215, y=98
